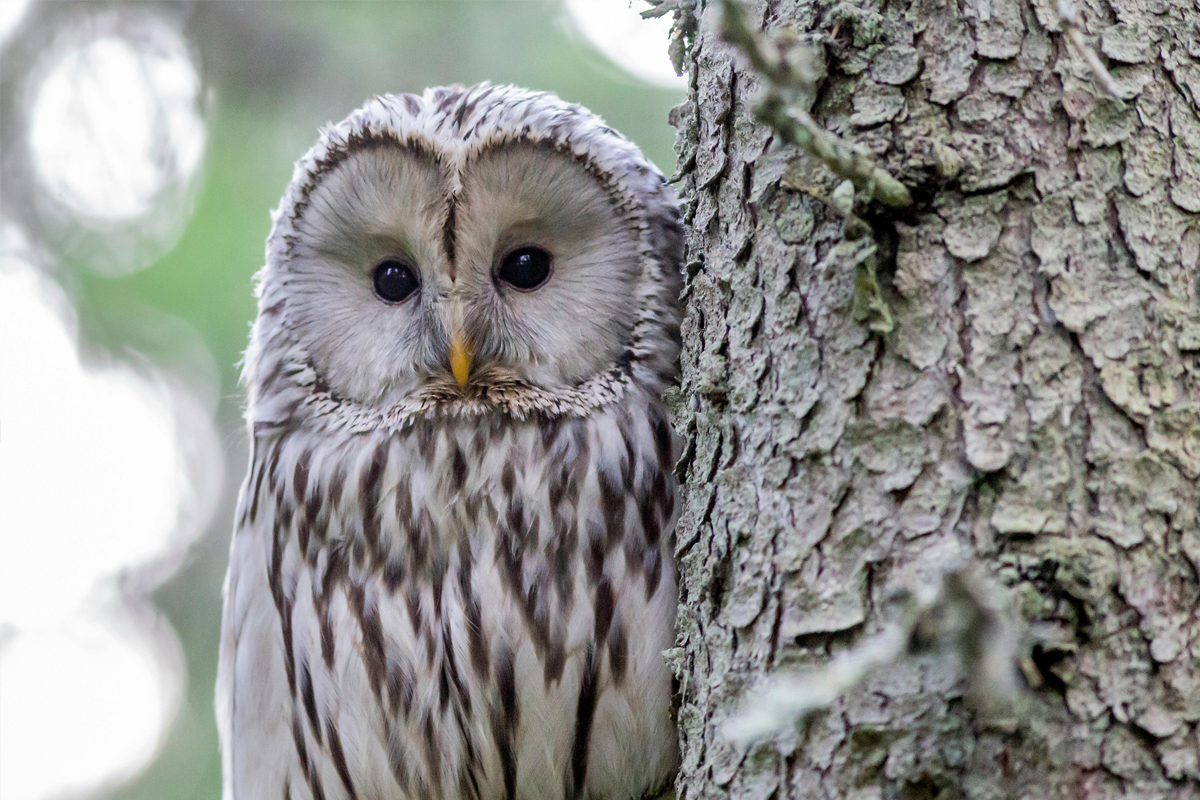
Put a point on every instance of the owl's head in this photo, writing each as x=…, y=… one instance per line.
x=471, y=248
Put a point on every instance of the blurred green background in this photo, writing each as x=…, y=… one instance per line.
x=272, y=74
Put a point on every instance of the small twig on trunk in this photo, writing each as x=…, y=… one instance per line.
x=781, y=62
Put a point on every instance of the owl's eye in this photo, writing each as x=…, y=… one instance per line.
x=525, y=269
x=394, y=281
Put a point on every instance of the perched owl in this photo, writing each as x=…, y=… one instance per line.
x=451, y=575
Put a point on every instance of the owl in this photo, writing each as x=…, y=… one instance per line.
x=451, y=575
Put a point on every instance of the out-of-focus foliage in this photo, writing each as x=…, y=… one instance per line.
x=271, y=74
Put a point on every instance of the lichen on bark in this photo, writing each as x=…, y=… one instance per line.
x=1036, y=408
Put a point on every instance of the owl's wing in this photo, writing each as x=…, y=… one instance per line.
x=278, y=699
x=252, y=702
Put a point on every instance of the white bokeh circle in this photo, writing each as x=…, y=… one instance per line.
x=97, y=508
x=11, y=13
x=89, y=465
x=85, y=705
x=639, y=46
x=115, y=121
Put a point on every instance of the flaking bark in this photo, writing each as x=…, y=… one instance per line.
x=1036, y=408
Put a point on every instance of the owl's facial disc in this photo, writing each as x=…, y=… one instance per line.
x=409, y=272
x=366, y=279
x=547, y=266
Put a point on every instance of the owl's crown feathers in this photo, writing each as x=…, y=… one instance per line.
x=471, y=250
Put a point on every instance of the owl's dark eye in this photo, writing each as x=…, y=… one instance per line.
x=525, y=269
x=394, y=281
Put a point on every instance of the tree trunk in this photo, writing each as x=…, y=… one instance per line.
x=1036, y=408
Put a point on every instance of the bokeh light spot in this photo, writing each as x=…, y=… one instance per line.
x=93, y=483
x=89, y=465
x=84, y=705
x=115, y=121
x=639, y=46
x=11, y=12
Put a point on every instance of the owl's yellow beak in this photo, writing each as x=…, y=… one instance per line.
x=460, y=358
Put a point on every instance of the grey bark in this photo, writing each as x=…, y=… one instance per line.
x=1035, y=409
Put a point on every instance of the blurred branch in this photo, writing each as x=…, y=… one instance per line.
x=1074, y=31
x=953, y=618
x=785, y=66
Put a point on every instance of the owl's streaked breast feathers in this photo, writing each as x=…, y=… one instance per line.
x=452, y=575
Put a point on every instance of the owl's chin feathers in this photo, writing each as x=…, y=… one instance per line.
x=491, y=390
x=487, y=384
x=486, y=381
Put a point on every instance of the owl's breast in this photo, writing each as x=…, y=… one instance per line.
x=474, y=610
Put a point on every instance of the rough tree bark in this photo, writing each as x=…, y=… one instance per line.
x=1036, y=407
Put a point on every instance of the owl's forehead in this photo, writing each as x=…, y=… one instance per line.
x=456, y=121
x=451, y=125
